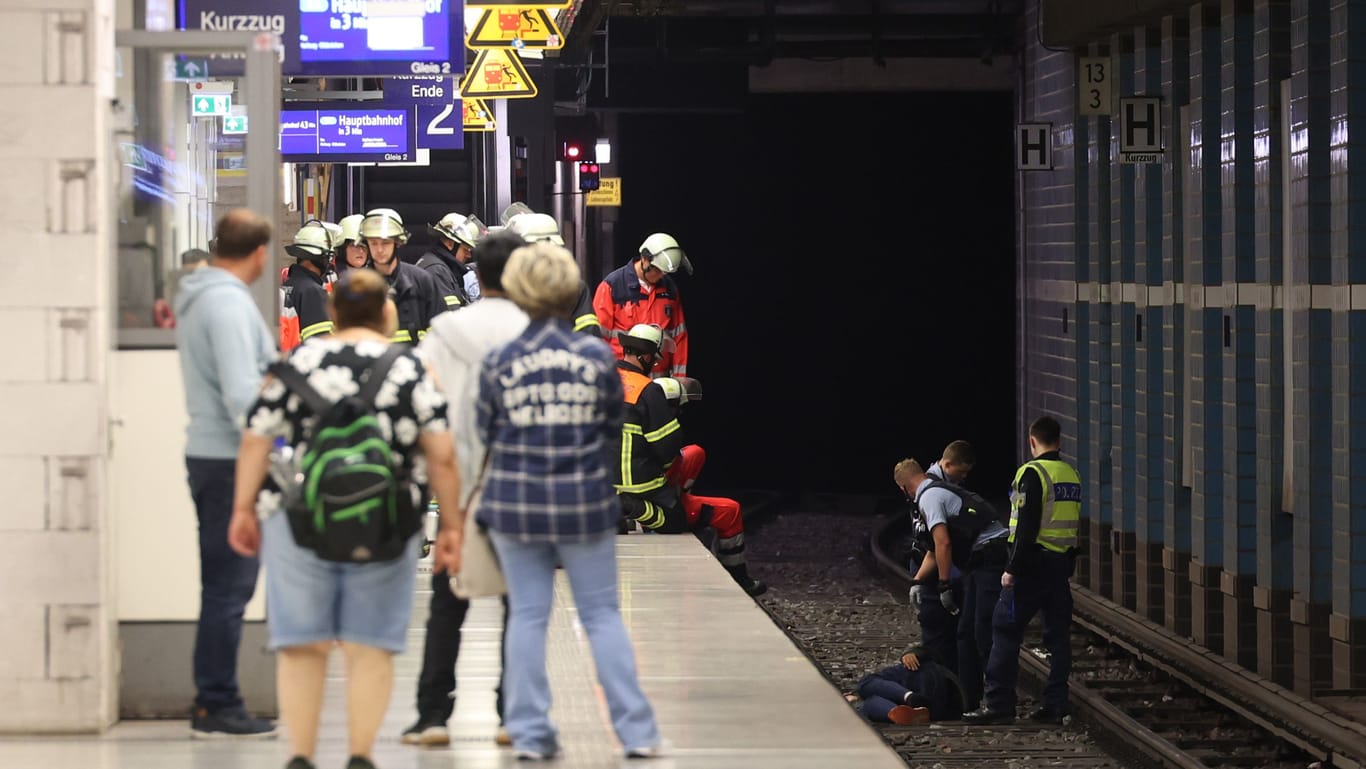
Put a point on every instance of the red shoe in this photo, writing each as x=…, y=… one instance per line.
x=907, y=715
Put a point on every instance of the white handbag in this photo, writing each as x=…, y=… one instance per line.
x=480, y=575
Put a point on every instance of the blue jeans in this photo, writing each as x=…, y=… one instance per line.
x=226, y=580
x=529, y=568
x=1045, y=590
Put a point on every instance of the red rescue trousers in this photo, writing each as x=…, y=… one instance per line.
x=720, y=513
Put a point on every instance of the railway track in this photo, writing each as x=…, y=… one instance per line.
x=1158, y=710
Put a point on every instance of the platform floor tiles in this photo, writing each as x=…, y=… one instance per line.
x=728, y=687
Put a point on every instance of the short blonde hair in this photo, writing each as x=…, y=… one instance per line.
x=904, y=468
x=543, y=280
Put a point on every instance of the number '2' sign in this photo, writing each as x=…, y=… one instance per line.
x=1093, y=86
x=439, y=126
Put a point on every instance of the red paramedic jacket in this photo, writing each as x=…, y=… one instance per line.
x=621, y=302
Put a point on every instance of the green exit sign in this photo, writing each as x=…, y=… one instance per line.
x=210, y=104
x=191, y=69
x=235, y=124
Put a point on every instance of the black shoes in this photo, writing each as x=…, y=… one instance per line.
x=359, y=762
x=755, y=587
x=299, y=762
x=429, y=731
x=985, y=716
x=1046, y=715
x=228, y=723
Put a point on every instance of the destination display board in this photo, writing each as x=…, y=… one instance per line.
x=330, y=135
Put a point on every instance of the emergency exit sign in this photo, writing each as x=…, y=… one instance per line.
x=234, y=124
x=210, y=104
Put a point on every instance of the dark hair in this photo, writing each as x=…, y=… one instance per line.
x=491, y=256
x=358, y=299
x=960, y=453
x=194, y=256
x=239, y=233
x=1046, y=431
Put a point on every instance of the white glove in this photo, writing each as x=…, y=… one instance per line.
x=916, y=590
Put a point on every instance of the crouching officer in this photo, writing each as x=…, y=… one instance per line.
x=657, y=471
x=413, y=290
x=303, y=294
x=1045, y=513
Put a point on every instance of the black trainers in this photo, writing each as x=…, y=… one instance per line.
x=229, y=723
x=985, y=716
x=360, y=762
x=299, y=762
x=755, y=587
x=429, y=730
x=1046, y=715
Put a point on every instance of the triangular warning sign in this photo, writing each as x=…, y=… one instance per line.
x=515, y=27
x=476, y=115
x=497, y=73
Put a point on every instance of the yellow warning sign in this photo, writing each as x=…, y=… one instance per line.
x=482, y=4
x=497, y=73
x=476, y=115
x=515, y=27
x=608, y=193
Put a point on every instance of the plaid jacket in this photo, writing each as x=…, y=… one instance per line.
x=550, y=410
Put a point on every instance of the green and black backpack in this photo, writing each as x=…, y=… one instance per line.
x=353, y=503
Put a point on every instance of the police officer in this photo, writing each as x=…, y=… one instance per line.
x=448, y=259
x=534, y=227
x=657, y=471
x=303, y=294
x=1045, y=513
x=413, y=290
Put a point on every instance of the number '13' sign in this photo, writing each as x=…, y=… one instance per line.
x=1093, y=86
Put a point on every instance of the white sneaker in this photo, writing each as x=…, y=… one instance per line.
x=663, y=748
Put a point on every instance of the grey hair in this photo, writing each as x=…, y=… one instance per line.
x=542, y=279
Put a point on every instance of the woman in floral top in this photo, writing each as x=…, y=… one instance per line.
x=312, y=603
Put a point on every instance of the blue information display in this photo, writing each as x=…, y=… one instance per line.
x=380, y=37
x=359, y=38
x=347, y=135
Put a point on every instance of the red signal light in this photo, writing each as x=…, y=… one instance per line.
x=572, y=151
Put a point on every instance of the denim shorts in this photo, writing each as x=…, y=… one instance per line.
x=310, y=600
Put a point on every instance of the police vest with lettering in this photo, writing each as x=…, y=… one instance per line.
x=1061, y=504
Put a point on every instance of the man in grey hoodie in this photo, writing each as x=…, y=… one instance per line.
x=224, y=349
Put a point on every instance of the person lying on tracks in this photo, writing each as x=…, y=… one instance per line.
x=915, y=690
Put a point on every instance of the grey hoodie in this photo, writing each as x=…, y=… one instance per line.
x=224, y=350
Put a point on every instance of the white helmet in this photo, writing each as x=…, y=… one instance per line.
x=513, y=210
x=465, y=230
x=350, y=229
x=664, y=252
x=646, y=339
x=536, y=227
x=680, y=390
x=313, y=242
x=383, y=223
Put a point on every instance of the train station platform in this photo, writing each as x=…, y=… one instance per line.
x=728, y=687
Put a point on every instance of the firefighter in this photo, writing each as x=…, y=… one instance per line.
x=351, y=251
x=534, y=227
x=303, y=294
x=414, y=291
x=448, y=259
x=657, y=471
x=643, y=291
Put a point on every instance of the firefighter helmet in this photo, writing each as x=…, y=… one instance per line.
x=664, y=252
x=536, y=227
x=646, y=339
x=680, y=390
x=383, y=223
x=313, y=242
x=513, y=210
x=465, y=230
x=350, y=229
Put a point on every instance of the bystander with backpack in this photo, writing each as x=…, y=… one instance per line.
x=361, y=436
x=968, y=551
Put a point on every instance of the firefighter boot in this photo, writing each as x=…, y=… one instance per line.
x=740, y=573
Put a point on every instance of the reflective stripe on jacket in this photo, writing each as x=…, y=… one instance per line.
x=621, y=303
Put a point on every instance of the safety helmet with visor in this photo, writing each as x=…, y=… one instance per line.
x=313, y=243
x=680, y=389
x=662, y=251
x=350, y=229
x=464, y=230
x=382, y=223
x=646, y=339
x=536, y=227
